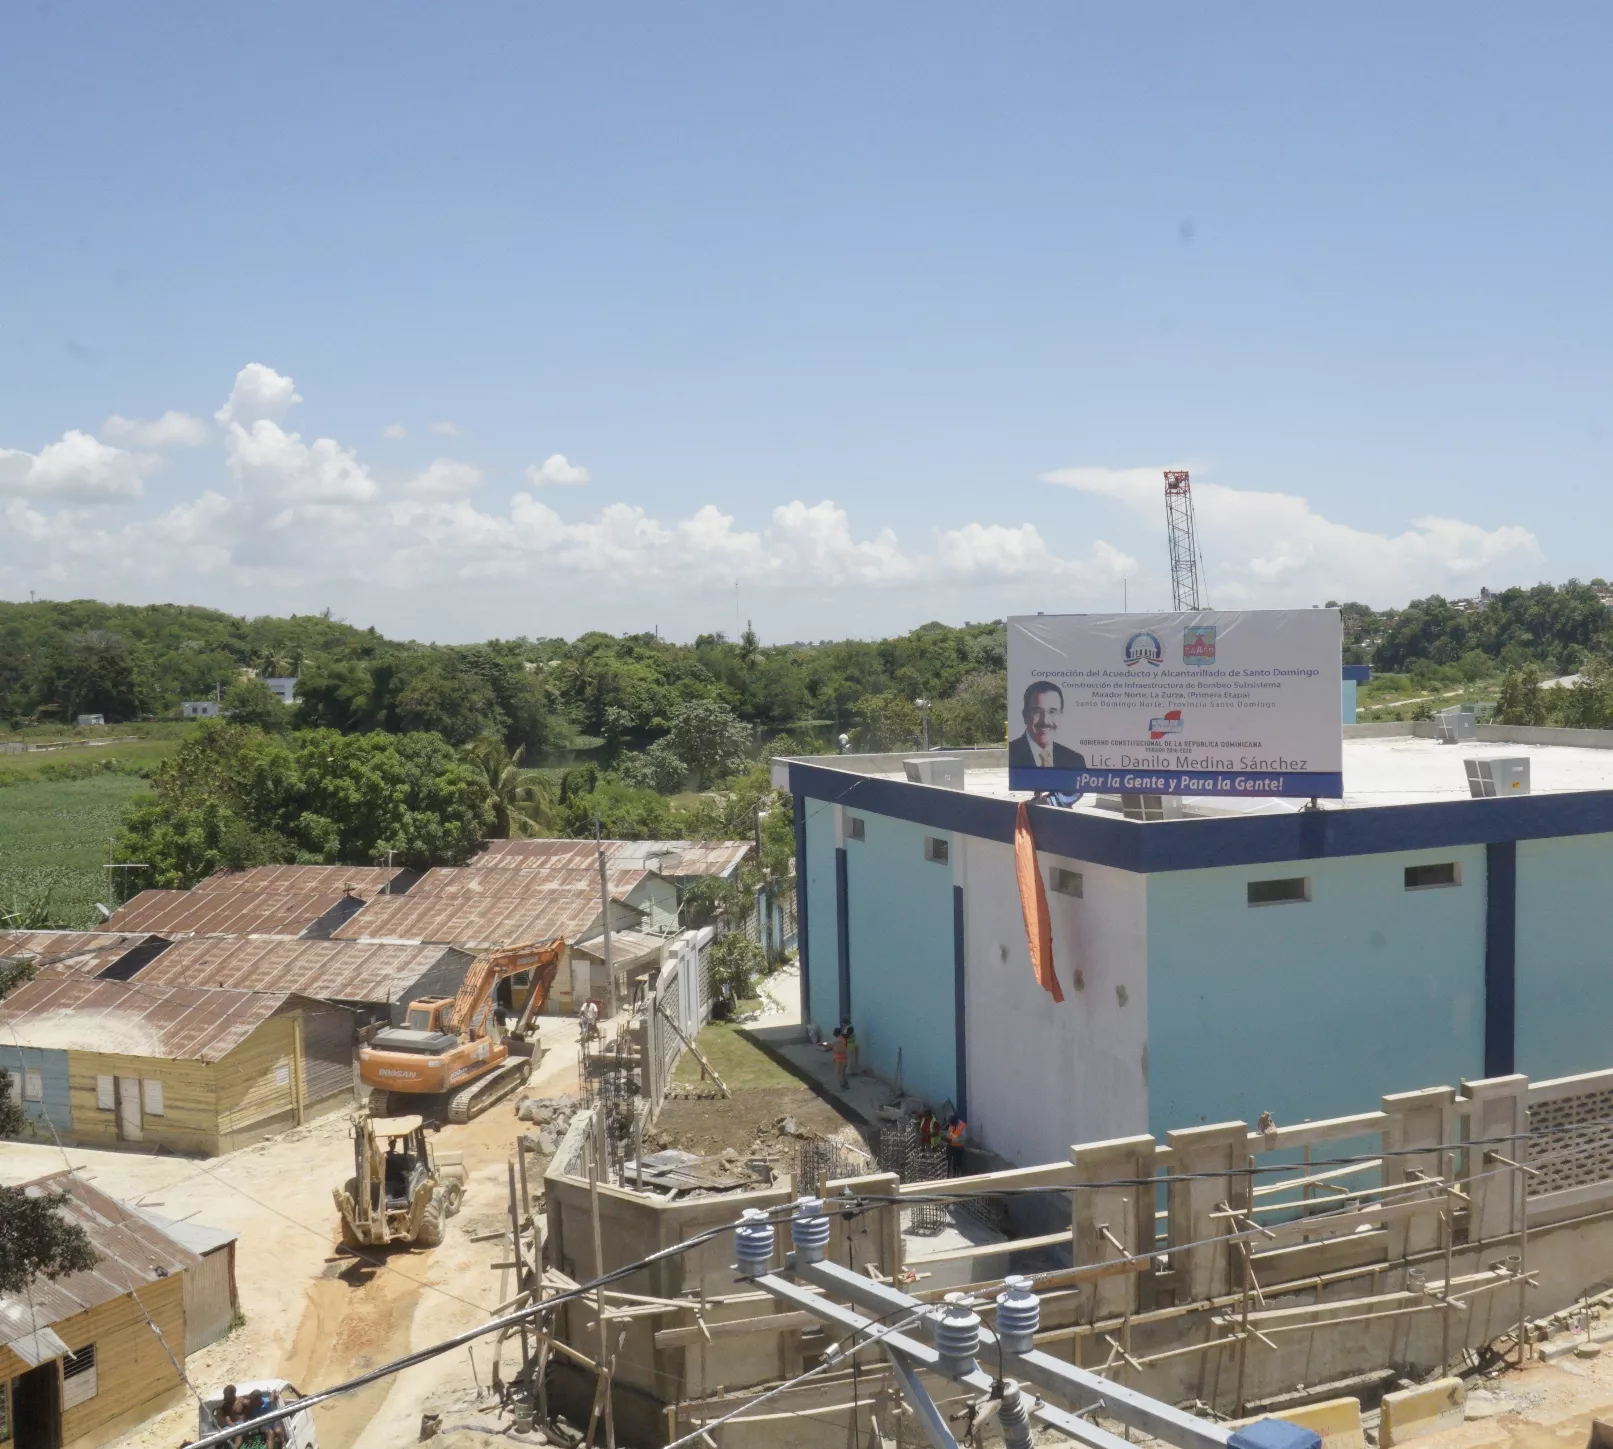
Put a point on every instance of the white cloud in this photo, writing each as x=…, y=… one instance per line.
x=394, y=430
x=171, y=430
x=445, y=478
x=1270, y=549
x=259, y=393
x=274, y=465
x=446, y=429
x=78, y=468
x=304, y=523
x=555, y=472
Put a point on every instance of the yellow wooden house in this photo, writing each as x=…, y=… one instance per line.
x=90, y=1355
x=196, y=1070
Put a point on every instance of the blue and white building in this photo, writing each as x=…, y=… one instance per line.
x=1251, y=956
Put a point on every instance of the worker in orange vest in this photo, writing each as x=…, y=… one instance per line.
x=957, y=1136
x=840, y=1057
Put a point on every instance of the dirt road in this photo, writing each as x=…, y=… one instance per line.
x=310, y=1316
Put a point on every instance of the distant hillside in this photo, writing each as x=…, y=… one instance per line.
x=59, y=660
x=612, y=695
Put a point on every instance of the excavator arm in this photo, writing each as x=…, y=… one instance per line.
x=538, y=997
x=491, y=967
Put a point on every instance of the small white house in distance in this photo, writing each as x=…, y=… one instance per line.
x=91, y=719
x=200, y=708
x=285, y=688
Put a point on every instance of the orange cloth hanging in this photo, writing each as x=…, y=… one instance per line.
x=1033, y=902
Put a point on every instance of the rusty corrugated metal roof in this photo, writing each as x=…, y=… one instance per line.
x=520, y=874
x=363, y=880
x=87, y=952
x=224, y=913
x=61, y=1011
x=481, y=922
x=664, y=857
x=332, y=970
x=132, y=1251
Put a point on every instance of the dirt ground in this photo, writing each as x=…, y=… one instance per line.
x=311, y=1316
x=706, y=1126
x=1544, y=1406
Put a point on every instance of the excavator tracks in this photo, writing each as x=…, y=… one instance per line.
x=473, y=1100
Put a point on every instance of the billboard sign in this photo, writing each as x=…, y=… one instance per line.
x=1243, y=704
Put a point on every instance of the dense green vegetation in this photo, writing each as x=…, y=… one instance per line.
x=422, y=750
x=56, y=832
x=236, y=795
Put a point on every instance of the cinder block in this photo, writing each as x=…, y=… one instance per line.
x=1423, y=1410
x=1338, y=1421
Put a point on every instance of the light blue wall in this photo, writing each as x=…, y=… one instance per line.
x=902, y=965
x=824, y=975
x=56, y=1109
x=1349, y=701
x=1316, y=1009
x=1564, y=956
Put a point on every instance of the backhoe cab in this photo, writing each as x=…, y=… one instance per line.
x=402, y=1190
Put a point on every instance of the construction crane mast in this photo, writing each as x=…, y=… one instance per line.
x=1184, y=542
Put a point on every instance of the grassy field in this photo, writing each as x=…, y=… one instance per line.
x=53, y=843
x=743, y=1065
x=80, y=760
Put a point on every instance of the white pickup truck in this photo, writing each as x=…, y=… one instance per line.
x=298, y=1428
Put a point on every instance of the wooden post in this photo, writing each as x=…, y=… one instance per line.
x=520, y=1278
x=1523, y=1262
x=599, y=1296
x=296, y=1066
x=604, y=906
x=1248, y=1273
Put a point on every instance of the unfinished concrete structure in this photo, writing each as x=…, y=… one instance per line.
x=1240, y=1270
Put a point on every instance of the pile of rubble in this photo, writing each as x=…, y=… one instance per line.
x=551, y=1116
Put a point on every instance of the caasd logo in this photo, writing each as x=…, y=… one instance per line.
x=1144, y=649
x=1198, y=644
x=1170, y=723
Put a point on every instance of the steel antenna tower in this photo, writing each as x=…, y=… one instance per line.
x=1184, y=542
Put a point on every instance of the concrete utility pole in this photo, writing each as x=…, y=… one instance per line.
x=604, y=906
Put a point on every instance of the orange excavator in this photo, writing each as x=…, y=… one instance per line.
x=452, y=1049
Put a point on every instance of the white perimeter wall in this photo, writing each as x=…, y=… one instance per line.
x=1043, y=1076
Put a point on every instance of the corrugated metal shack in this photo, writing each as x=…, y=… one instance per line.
x=195, y=1070
x=79, y=1361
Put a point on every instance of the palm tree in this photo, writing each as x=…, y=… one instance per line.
x=522, y=799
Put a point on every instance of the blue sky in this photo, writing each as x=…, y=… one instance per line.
x=886, y=313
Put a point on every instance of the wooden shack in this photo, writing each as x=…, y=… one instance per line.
x=90, y=1355
x=195, y=1070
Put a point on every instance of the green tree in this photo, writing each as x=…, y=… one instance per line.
x=733, y=964
x=624, y=813
x=1520, y=702
x=232, y=795
x=522, y=800
x=888, y=721
x=439, y=695
x=1588, y=703
x=35, y=1239
x=252, y=702
x=709, y=738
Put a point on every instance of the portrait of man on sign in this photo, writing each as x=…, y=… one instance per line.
x=1037, y=748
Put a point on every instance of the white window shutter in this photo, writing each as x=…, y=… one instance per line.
x=151, y=1096
x=105, y=1094
x=80, y=1377
x=33, y=1087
